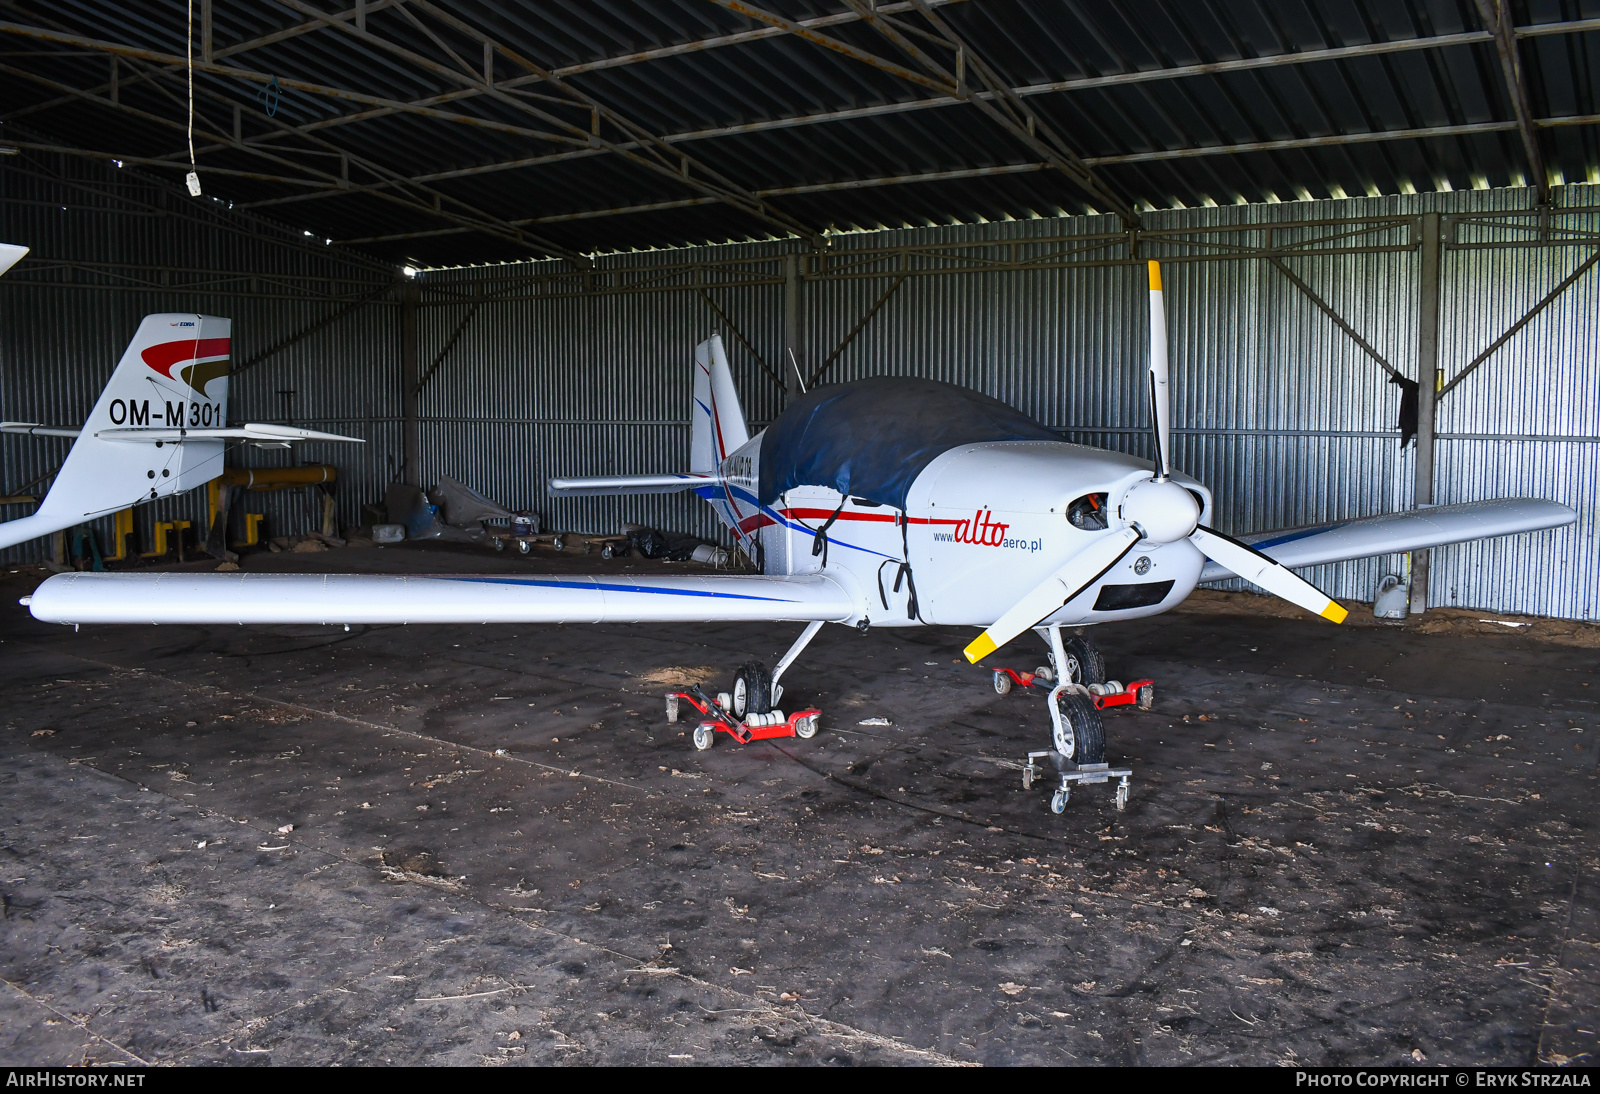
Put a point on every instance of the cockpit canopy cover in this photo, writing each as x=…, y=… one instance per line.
x=871, y=438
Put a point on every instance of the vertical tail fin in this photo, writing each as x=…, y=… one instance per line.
x=173, y=375
x=719, y=426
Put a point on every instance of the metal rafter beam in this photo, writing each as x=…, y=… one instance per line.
x=310, y=87
x=1496, y=15
x=1429, y=133
x=1001, y=105
x=217, y=55
x=639, y=145
x=327, y=180
x=1085, y=83
x=478, y=219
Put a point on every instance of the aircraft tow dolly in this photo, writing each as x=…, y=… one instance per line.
x=1112, y=693
x=755, y=727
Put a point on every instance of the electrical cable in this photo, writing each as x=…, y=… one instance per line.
x=193, y=178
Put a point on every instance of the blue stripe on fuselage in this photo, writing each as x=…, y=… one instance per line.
x=710, y=494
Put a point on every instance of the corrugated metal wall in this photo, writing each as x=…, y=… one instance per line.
x=1277, y=410
x=109, y=247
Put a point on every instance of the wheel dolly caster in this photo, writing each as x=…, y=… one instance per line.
x=1082, y=774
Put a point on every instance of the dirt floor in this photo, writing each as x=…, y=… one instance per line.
x=298, y=845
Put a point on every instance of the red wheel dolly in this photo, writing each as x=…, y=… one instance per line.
x=755, y=727
x=1112, y=693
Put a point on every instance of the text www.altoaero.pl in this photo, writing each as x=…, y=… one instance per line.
x=21, y=1077
x=985, y=533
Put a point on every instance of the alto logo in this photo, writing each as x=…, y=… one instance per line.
x=979, y=529
x=194, y=361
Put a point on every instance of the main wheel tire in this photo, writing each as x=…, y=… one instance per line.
x=1080, y=735
x=1002, y=683
x=1084, y=663
x=752, y=689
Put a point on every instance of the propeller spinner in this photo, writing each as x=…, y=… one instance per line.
x=1156, y=510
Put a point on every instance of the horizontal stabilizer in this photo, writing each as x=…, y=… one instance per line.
x=250, y=431
x=1395, y=533
x=438, y=598
x=34, y=429
x=10, y=255
x=602, y=485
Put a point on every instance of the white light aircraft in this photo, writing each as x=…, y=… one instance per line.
x=158, y=429
x=886, y=502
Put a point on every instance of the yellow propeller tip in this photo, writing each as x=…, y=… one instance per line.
x=1155, y=276
x=1334, y=612
x=981, y=647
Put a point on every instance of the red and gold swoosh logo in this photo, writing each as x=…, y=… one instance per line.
x=201, y=359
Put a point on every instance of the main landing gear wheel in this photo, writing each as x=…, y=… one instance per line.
x=1084, y=663
x=752, y=689
x=703, y=736
x=1079, y=734
x=1002, y=683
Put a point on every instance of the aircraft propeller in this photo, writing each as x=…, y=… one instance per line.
x=1156, y=510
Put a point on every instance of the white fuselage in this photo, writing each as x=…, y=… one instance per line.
x=984, y=524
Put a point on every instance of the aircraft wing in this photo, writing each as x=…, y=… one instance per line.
x=435, y=598
x=250, y=431
x=602, y=485
x=34, y=429
x=1398, y=532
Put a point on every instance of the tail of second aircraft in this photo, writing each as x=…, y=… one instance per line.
x=159, y=427
x=719, y=427
x=172, y=378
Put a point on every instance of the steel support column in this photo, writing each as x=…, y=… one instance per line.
x=794, y=358
x=411, y=436
x=1427, y=393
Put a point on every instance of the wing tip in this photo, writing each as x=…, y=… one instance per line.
x=1334, y=612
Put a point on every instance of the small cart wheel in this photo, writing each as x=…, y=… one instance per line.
x=606, y=551
x=1002, y=683
x=558, y=543
x=703, y=736
x=806, y=727
x=523, y=546
x=1058, y=802
x=1122, y=797
x=499, y=544
x=1147, y=697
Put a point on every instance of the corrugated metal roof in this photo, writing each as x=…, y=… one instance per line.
x=390, y=130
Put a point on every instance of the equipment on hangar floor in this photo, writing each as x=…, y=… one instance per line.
x=720, y=716
x=887, y=502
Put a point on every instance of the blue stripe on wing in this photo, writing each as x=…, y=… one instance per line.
x=1304, y=533
x=617, y=588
